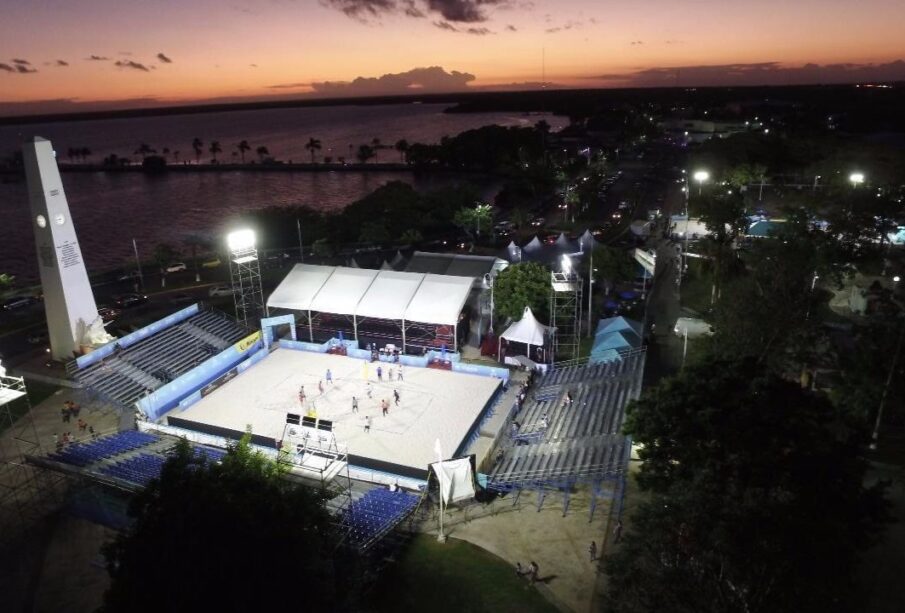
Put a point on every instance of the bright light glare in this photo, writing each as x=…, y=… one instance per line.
x=566, y=264
x=897, y=278
x=701, y=175
x=856, y=177
x=241, y=240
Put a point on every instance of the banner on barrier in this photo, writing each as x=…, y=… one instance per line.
x=243, y=345
x=229, y=375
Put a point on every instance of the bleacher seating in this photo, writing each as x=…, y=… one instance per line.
x=139, y=469
x=83, y=454
x=124, y=377
x=560, y=440
x=376, y=513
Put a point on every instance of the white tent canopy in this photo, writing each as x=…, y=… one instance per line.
x=587, y=241
x=527, y=330
x=417, y=297
x=534, y=245
x=300, y=287
x=439, y=299
x=389, y=295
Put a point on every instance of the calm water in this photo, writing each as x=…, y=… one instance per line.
x=110, y=209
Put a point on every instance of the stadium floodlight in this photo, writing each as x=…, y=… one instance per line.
x=701, y=176
x=566, y=264
x=241, y=240
x=856, y=178
x=896, y=279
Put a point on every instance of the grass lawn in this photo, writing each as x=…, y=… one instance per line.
x=454, y=576
x=696, y=288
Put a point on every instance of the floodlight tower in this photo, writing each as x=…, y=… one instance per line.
x=245, y=276
x=565, y=310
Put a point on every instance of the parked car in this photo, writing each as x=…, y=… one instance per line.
x=218, y=291
x=177, y=267
x=127, y=301
x=19, y=302
x=129, y=276
x=108, y=314
x=538, y=222
x=181, y=298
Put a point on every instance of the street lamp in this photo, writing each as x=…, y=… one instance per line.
x=701, y=176
x=566, y=264
x=856, y=178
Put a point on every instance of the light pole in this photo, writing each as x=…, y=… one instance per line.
x=816, y=179
x=856, y=179
x=441, y=537
x=701, y=176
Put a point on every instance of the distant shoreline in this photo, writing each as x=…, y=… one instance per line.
x=253, y=167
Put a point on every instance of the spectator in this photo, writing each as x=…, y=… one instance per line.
x=532, y=570
x=592, y=550
x=617, y=531
x=82, y=424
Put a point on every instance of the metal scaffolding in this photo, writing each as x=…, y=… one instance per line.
x=565, y=313
x=26, y=491
x=245, y=276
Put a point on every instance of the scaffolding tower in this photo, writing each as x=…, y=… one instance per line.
x=565, y=313
x=26, y=491
x=245, y=276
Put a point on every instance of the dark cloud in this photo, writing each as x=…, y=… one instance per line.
x=445, y=25
x=126, y=53
x=253, y=65
x=62, y=63
x=21, y=62
x=457, y=11
x=97, y=58
x=431, y=79
x=478, y=31
x=7, y=67
x=762, y=73
x=164, y=59
x=569, y=25
x=635, y=43
x=131, y=64
x=18, y=68
x=511, y=28
x=289, y=85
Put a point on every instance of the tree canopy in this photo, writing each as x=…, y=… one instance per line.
x=757, y=497
x=520, y=285
x=228, y=536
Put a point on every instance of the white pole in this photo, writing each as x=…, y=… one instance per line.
x=441, y=537
x=298, y=225
x=685, y=347
x=141, y=277
x=590, y=287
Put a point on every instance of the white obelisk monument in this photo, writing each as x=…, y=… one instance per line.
x=68, y=299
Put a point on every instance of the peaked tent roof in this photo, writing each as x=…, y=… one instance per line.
x=457, y=265
x=534, y=245
x=398, y=260
x=386, y=266
x=527, y=330
x=617, y=324
x=439, y=299
x=587, y=240
x=301, y=285
x=389, y=295
x=564, y=242
x=343, y=291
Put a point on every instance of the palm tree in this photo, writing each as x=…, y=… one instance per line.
x=145, y=150
x=376, y=146
x=176, y=155
x=243, y=147
x=402, y=146
x=313, y=146
x=194, y=242
x=70, y=153
x=262, y=152
x=215, y=149
x=198, y=146
x=365, y=153
x=84, y=153
x=165, y=152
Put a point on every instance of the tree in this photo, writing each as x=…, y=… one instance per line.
x=744, y=175
x=376, y=145
x=145, y=150
x=411, y=235
x=520, y=217
x=611, y=266
x=7, y=282
x=402, y=146
x=757, y=501
x=365, y=153
x=198, y=147
x=262, y=152
x=248, y=540
x=474, y=220
x=526, y=284
x=215, y=149
x=196, y=242
x=84, y=153
x=163, y=255
x=243, y=146
x=374, y=232
x=313, y=146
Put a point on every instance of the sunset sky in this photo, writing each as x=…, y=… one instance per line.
x=178, y=51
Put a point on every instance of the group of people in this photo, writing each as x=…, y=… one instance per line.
x=529, y=571
x=69, y=411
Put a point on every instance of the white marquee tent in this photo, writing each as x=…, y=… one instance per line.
x=527, y=330
x=406, y=297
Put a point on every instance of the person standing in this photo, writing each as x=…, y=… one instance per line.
x=369, y=389
x=390, y=373
x=302, y=395
x=399, y=373
x=354, y=404
x=320, y=387
x=329, y=377
x=385, y=406
x=592, y=551
x=379, y=373
x=617, y=531
x=368, y=423
x=532, y=571
x=396, y=396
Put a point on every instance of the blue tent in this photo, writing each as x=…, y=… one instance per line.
x=614, y=336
